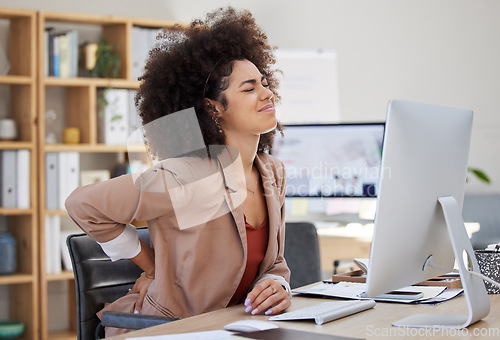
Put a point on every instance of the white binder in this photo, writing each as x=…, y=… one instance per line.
x=8, y=178
x=52, y=180
x=134, y=121
x=69, y=174
x=48, y=244
x=52, y=234
x=55, y=242
x=65, y=257
x=23, y=179
x=113, y=119
x=140, y=42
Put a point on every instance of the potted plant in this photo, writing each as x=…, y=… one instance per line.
x=107, y=61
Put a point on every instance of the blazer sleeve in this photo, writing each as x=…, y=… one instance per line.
x=105, y=210
x=279, y=271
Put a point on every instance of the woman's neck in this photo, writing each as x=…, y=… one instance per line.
x=247, y=148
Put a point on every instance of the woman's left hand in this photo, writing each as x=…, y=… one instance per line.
x=267, y=296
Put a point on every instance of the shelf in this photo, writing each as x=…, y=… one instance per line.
x=56, y=212
x=63, y=276
x=9, y=13
x=19, y=29
x=15, y=212
x=77, y=99
x=15, y=80
x=77, y=18
x=100, y=148
x=4, y=145
x=16, y=279
x=156, y=23
x=97, y=82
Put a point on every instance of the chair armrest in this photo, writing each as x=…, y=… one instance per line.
x=132, y=321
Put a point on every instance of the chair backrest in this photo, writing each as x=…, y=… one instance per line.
x=302, y=253
x=97, y=279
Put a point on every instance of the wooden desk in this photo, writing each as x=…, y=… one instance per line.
x=374, y=323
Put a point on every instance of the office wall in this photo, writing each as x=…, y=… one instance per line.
x=443, y=52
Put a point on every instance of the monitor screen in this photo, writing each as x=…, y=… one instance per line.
x=331, y=160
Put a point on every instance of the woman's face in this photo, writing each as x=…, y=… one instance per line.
x=250, y=103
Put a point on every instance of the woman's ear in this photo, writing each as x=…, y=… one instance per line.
x=211, y=107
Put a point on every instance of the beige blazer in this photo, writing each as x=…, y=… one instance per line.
x=198, y=265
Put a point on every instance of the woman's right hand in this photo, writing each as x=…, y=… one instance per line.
x=145, y=260
x=141, y=287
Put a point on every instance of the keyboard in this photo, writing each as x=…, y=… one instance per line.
x=326, y=311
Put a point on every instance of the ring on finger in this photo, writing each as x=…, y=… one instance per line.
x=274, y=289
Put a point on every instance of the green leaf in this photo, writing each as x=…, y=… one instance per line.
x=481, y=175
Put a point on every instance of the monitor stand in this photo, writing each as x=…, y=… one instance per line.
x=474, y=289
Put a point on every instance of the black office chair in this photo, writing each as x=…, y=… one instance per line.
x=302, y=253
x=98, y=281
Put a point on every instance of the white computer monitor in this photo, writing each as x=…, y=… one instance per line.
x=331, y=160
x=423, y=175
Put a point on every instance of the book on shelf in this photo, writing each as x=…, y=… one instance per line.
x=23, y=179
x=143, y=40
x=134, y=120
x=52, y=239
x=69, y=175
x=15, y=178
x=48, y=51
x=65, y=257
x=62, y=176
x=8, y=178
x=63, y=45
x=57, y=256
x=73, y=52
x=61, y=53
x=51, y=181
x=55, y=56
x=113, y=117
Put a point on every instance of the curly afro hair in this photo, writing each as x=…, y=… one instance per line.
x=193, y=63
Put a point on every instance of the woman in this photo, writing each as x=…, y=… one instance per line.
x=215, y=214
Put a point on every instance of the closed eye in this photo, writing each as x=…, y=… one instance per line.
x=251, y=89
x=263, y=81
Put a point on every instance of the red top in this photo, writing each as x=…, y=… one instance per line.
x=257, y=239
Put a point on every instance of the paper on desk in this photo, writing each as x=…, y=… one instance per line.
x=430, y=292
x=448, y=294
x=208, y=335
x=353, y=290
x=346, y=290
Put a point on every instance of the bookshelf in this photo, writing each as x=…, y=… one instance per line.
x=76, y=102
x=18, y=86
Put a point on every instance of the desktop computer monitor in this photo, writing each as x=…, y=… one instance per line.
x=331, y=160
x=419, y=231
